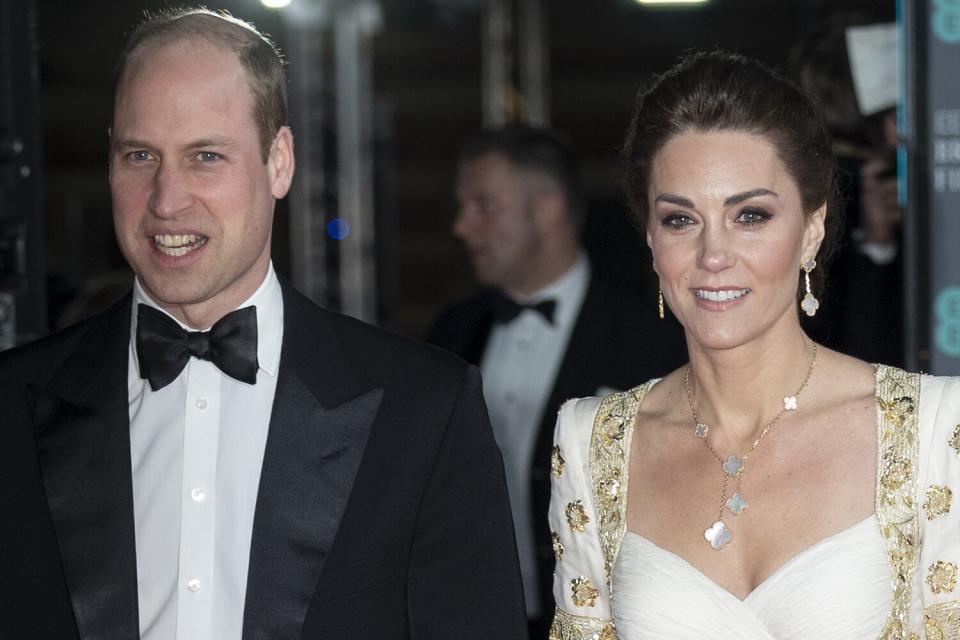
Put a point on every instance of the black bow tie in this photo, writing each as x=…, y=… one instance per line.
x=508, y=309
x=164, y=347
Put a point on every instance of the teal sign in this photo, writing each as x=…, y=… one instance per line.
x=945, y=20
x=947, y=322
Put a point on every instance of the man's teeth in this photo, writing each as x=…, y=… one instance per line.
x=721, y=296
x=178, y=244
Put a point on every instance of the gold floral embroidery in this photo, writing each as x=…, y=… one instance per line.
x=609, y=447
x=897, y=399
x=567, y=626
x=557, y=546
x=584, y=593
x=577, y=516
x=942, y=577
x=938, y=501
x=955, y=440
x=557, y=463
x=942, y=621
x=896, y=471
x=896, y=409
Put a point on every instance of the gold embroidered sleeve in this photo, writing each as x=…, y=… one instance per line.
x=897, y=400
x=579, y=588
x=609, y=466
x=942, y=621
x=570, y=627
x=937, y=587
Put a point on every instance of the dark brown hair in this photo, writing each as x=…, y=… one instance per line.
x=529, y=148
x=718, y=91
x=259, y=56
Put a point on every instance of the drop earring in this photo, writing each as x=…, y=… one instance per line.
x=810, y=304
x=660, y=301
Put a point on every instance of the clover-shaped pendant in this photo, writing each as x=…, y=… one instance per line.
x=810, y=305
x=732, y=466
x=737, y=504
x=717, y=535
x=790, y=403
x=701, y=430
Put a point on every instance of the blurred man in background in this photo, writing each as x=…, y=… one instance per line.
x=547, y=328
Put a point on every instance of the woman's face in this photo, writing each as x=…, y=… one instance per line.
x=728, y=235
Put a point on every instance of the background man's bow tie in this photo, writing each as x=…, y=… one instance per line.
x=508, y=309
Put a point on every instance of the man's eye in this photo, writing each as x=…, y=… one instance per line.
x=139, y=156
x=208, y=156
x=751, y=217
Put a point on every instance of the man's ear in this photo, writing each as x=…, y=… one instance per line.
x=550, y=208
x=814, y=233
x=280, y=163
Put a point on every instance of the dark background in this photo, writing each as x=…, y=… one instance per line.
x=427, y=87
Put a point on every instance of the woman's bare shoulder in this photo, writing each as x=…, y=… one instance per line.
x=843, y=377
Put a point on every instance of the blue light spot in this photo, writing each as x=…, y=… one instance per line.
x=338, y=229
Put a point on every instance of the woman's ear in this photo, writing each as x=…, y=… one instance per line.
x=814, y=233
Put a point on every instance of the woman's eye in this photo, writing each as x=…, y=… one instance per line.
x=751, y=217
x=677, y=221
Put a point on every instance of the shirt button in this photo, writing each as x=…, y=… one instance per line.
x=193, y=585
x=201, y=403
x=198, y=494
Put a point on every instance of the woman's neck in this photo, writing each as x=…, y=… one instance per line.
x=737, y=391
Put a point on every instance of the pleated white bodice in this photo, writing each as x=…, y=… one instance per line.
x=839, y=588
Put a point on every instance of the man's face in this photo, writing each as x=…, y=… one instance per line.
x=192, y=198
x=496, y=221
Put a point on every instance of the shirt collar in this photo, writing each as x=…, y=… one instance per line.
x=567, y=290
x=268, y=299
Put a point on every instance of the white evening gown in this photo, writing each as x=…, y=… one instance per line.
x=837, y=589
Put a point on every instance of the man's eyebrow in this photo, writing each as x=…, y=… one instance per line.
x=218, y=141
x=746, y=195
x=212, y=142
x=672, y=199
x=130, y=143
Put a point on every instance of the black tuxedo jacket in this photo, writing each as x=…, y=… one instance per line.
x=381, y=513
x=617, y=342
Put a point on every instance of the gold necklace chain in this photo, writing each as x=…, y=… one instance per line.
x=718, y=535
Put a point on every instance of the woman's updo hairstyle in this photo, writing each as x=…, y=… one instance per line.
x=717, y=91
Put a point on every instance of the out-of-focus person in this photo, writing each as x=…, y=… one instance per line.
x=772, y=488
x=548, y=327
x=849, y=66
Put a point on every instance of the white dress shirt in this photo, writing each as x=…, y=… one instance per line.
x=197, y=449
x=519, y=366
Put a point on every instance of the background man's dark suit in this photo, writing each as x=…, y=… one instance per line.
x=381, y=511
x=617, y=342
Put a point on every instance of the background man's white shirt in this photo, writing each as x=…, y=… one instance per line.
x=519, y=366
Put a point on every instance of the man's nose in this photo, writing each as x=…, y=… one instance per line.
x=464, y=223
x=171, y=193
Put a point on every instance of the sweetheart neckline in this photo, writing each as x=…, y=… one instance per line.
x=779, y=570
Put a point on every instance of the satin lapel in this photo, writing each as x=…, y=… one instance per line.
x=318, y=431
x=479, y=333
x=81, y=423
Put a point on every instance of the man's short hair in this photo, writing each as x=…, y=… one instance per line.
x=539, y=150
x=260, y=57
